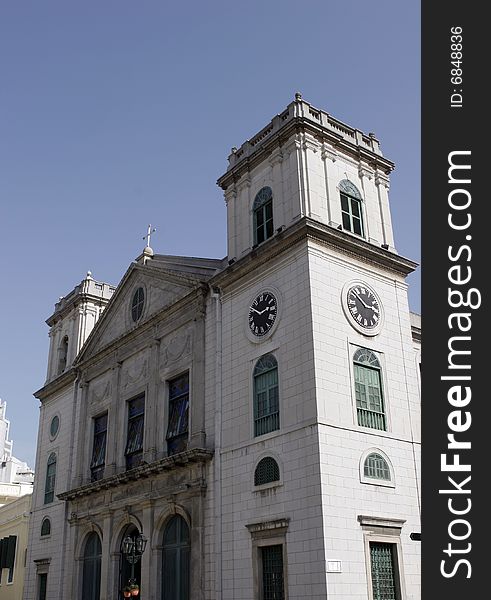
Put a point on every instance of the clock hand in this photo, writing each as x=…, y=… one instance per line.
x=364, y=304
x=256, y=311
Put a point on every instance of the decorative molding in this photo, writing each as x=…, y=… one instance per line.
x=244, y=182
x=310, y=143
x=230, y=194
x=269, y=528
x=101, y=391
x=328, y=152
x=369, y=521
x=276, y=157
x=365, y=172
x=178, y=346
x=382, y=179
x=182, y=459
x=130, y=376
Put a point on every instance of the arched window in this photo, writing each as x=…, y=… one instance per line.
x=176, y=560
x=266, y=396
x=91, y=569
x=263, y=215
x=49, y=488
x=46, y=527
x=351, y=209
x=368, y=390
x=267, y=471
x=376, y=467
x=62, y=355
x=137, y=304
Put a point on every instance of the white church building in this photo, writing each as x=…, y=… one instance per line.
x=245, y=428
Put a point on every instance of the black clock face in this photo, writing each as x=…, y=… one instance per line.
x=363, y=306
x=262, y=313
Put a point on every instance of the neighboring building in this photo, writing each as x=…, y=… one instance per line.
x=16, y=483
x=16, y=478
x=14, y=522
x=255, y=418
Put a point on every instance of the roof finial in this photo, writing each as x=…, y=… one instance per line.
x=147, y=251
x=150, y=230
x=298, y=96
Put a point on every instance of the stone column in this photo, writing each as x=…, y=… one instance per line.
x=149, y=570
x=151, y=403
x=382, y=183
x=106, y=571
x=113, y=431
x=197, y=399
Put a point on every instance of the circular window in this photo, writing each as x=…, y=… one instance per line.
x=54, y=427
x=137, y=304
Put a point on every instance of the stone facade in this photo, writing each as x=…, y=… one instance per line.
x=319, y=518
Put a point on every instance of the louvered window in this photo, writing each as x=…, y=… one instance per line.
x=134, y=443
x=99, y=448
x=267, y=471
x=266, y=396
x=177, y=429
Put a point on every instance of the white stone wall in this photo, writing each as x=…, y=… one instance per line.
x=295, y=446
x=61, y=404
x=304, y=176
x=343, y=442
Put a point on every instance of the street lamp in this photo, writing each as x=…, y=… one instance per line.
x=133, y=548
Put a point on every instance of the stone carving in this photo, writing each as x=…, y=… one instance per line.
x=101, y=391
x=178, y=346
x=134, y=373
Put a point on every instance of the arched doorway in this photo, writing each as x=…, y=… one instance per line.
x=91, y=570
x=175, y=560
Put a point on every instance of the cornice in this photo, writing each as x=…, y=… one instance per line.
x=197, y=295
x=303, y=125
x=305, y=229
x=57, y=384
x=195, y=455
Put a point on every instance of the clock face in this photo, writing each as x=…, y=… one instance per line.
x=262, y=313
x=364, y=306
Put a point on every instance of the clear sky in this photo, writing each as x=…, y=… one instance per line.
x=115, y=114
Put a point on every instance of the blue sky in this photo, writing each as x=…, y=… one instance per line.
x=116, y=114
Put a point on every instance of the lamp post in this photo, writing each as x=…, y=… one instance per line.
x=133, y=548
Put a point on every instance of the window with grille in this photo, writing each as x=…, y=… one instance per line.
x=376, y=467
x=46, y=527
x=272, y=572
x=49, y=488
x=351, y=207
x=267, y=471
x=266, y=396
x=177, y=429
x=98, y=460
x=263, y=215
x=91, y=568
x=368, y=390
x=134, y=442
x=383, y=564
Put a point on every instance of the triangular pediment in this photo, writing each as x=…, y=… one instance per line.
x=160, y=289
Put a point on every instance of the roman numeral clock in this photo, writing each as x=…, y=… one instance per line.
x=362, y=307
x=262, y=314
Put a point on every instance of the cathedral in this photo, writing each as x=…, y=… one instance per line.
x=245, y=428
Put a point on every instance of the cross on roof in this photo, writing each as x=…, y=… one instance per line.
x=150, y=230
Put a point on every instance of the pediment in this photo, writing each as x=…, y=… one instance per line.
x=160, y=289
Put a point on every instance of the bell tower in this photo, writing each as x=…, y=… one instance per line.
x=306, y=163
x=74, y=318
